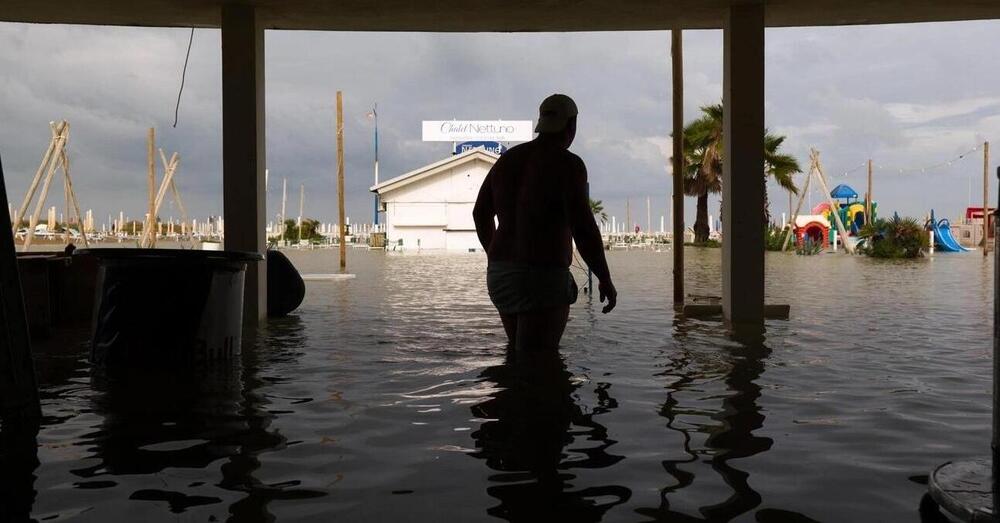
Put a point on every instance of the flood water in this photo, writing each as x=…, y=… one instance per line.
x=391, y=397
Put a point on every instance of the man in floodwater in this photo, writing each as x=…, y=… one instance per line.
x=538, y=193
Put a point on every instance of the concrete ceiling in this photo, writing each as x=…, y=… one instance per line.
x=493, y=15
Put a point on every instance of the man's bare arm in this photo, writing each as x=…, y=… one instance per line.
x=483, y=213
x=585, y=231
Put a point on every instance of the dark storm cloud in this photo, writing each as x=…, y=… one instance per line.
x=904, y=95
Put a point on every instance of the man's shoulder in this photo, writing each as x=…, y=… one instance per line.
x=573, y=158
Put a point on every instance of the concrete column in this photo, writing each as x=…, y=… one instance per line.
x=743, y=168
x=243, y=162
x=677, y=95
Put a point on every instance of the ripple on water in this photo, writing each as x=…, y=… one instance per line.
x=391, y=396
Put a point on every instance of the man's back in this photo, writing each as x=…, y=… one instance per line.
x=531, y=191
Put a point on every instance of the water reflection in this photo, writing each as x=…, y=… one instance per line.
x=531, y=423
x=720, y=434
x=154, y=421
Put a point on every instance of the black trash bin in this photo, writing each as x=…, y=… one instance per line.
x=161, y=306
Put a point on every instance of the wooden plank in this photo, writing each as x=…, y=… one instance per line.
x=18, y=389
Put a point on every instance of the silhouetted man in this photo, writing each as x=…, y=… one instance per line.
x=538, y=193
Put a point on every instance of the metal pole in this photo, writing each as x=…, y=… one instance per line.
x=375, y=115
x=677, y=219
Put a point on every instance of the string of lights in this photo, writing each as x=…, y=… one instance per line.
x=924, y=169
x=882, y=168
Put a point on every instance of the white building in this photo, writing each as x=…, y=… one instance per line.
x=431, y=207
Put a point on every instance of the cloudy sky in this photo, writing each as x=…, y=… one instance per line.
x=912, y=97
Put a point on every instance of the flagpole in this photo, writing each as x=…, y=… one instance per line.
x=375, y=116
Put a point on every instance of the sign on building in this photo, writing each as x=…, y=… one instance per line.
x=477, y=130
x=496, y=148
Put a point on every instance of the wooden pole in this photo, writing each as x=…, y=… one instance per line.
x=789, y=207
x=57, y=132
x=72, y=198
x=302, y=204
x=833, y=207
x=677, y=203
x=798, y=207
x=986, y=197
x=340, y=179
x=868, y=196
x=151, y=179
x=18, y=388
x=170, y=167
x=284, y=199
x=628, y=217
x=649, y=220
x=61, y=142
x=68, y=218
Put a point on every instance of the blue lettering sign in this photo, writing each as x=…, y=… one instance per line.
x=493, y=147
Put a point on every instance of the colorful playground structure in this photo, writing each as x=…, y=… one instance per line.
x=815, y=228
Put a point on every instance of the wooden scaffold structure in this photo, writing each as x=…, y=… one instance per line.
x=149, y=229
x=55, y=158
x=816, y=170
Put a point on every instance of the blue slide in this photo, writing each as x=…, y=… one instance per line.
x=943, y=239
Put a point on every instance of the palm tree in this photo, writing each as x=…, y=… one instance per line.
x=597, y=209
x=703, y=174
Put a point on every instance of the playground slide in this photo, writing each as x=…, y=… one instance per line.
x=943, y=239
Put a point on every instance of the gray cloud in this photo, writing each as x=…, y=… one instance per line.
x=906, y=95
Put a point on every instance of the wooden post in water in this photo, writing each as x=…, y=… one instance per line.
x=302, y=204
x=18, y=389
x=628, y=217
x=151, y=179
x=868, y=195
x=284, y=199
x=340, y=179
x=789, y=208
x=649, y=220
x=677, y=210
x=986, y=197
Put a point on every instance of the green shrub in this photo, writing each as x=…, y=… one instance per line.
x=774, y=238
x=809, y=248
x=894, y=238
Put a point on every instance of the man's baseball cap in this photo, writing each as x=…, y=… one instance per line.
x=554, y=113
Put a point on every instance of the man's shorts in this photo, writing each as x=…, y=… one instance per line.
x=517, y=288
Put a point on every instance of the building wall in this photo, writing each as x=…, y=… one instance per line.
x=436, y=210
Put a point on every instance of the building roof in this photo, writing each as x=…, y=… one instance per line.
x=426, y=171
x=515, y=15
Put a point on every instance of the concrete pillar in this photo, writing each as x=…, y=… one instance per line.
x=743, y=167
x=243, y=185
